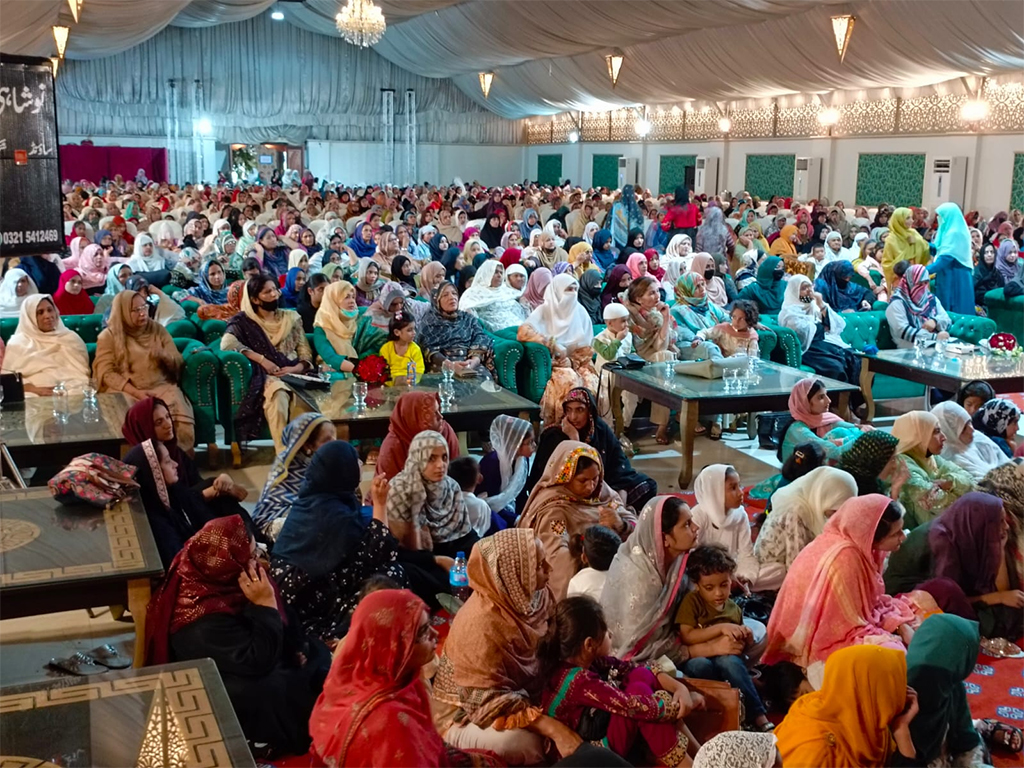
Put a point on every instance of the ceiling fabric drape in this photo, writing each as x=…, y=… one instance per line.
x=548, y=55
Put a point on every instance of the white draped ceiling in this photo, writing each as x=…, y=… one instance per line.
x=548, y=55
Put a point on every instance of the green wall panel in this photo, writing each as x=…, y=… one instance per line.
x=768, y=175
x=672, y=172
x=894, y=179
x=606, y=171
x=549, y=169
x=1017, y=188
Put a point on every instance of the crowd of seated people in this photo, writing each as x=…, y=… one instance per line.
x=886, y=556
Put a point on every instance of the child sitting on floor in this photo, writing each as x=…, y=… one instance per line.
x=605, y=699
x=594, y=550
x=707, y=613
x=466, y=472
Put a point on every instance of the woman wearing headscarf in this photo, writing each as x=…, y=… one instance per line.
x=634, y=247
x=530, y=222
x=368, y=282
x=302, y=437
x=860, y=716
x=402, y=272
x=210, y=289
x=274, y=342
x=626, y=219
x=997, y=419
x=970, y=449
x=336, y=328
x=961, y=559
x=650, y=326
x=619, y=280
x=703, y=264
x=294, y=282
x=430, y=277
x=693, y=313
x=769, y=290
x=1007, y=482
x=933, y=483
x=914, y=311
x=562, y=325
x=326, y=549
x=536, y=287
x=581, y=258
x=902, y=244
x=44, y=351
x=590, y=230
x=15, y=288
x=819, y=329
x=362, y=242
x=137, y=356
x=70, y=297
x=217, y=601
x=738, y=749
x=836, y=286
x=1008, y=261
x=800, y=511
x=504, y=470
x=590, y=295
x=152, y=261
x=722, y=273
x=490, y=301
x=870, y=459
x=492, y=231
x=414, y=412
x=604, y=256
x=953, y=261
x=713, y=236
x=447, y=333
x=833, y=596
x=987, y=276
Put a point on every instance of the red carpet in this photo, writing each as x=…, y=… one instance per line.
x=996, y=689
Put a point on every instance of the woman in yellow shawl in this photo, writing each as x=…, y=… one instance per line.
x=334, y=329
x=859, y=717
x=902, y=244
x=581, y=257
x=784, y=246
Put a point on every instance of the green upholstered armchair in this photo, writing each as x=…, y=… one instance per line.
x=787, y=350
x=1008, y=314
x=534, y=364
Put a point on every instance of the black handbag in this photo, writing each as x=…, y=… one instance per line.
x=13, y=387
x=594, y=724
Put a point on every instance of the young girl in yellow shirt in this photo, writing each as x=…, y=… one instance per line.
x=400, y=349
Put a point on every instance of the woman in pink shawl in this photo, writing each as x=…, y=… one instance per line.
x=833, y=595
x=538, y=283
x=704, y=265
x=93, y=264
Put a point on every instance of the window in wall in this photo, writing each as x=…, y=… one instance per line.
x=1017, y=184
x=549, y=169
x=894, y=179
x=606, y=171
x=768, y=175
x=672, y=172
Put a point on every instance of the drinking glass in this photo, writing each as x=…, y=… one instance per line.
x=447, y=370
x=89, y=392
x=919, y=345
x=447, y=392
x=359, y=390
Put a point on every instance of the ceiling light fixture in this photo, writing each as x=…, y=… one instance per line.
x=642, y=127
x=842, y=28
x=828, y=117
x=76, y=8
x=361, y=23
x=486, y=78
x=725, y=125
x=55, y=63
x=60, y=37
x=574, y=136
x=974, y=110
x=277, y=16
x=614, y=61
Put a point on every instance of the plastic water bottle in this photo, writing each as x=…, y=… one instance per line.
x=60, y=402
x=458, y=579
x=410, y=373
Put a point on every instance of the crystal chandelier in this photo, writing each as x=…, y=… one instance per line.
x=361, y=23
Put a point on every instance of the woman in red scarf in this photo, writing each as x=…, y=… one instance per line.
x=70, y=297
x=374, y=709
x=217, y=601
x=414, y=412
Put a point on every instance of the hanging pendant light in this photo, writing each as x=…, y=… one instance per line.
x=486, y=78
x=76, y=8
x=361, y=23
x=54, y=62
x=60, y=36
x=614, y=62
x=842, y=28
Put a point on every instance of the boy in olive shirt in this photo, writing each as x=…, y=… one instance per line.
x=707, y=613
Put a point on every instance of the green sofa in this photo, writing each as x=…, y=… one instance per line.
x=1008, y=314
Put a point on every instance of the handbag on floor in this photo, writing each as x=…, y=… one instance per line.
x=721, y=711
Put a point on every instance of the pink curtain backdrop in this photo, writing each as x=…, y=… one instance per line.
x=93, y=163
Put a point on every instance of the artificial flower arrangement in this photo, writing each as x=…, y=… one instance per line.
x=1005, y=345
x=373, y=369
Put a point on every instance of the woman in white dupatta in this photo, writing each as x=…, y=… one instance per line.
x=44, y=351
x=970, y=449
x=490, y=301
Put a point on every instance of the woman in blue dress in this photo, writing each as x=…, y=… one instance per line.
x=953, y=266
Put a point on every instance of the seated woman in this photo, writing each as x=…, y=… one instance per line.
x=44, y=351
x=987, y=276
x=563, y=326
x=368, y=282
x=580, y=421
x=232, y=304
x=836, y=286
x=970, y=449
x=703, y=264
x=414, y=412
x=800, y=511
x=294, y=282
x=14, y=289
x=813, y=422
x=862, y=711
x=327, y=549
x=310, y=298
x=933, y=483
x=504, y=470
x=162, y=308
x=71, y=298
x=1007, y=482
x=870, y=269
x=302, y=438
x=833, y=597
x=490, y=301
x=217, y=601
x=489, y=675
x=209, y=290
x=818, y=328
x=570, y=497
x=619, y=279
x=137, y=356
x=914, y=312
x=872, y=461
x=720, y=514
x=151, y=261
x=273, y=341
x=446, y=333
x=335, y=329
x=998, y=419
x=961, y=558
x=650, y=326
x=375, y=707
x=768, y=290
x=693, y=313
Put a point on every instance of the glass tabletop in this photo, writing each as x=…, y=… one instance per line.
x=972, y=365
x=472, y=395
x=46, y=543
x=32, y=422
x=766, y=378
x=168, y=715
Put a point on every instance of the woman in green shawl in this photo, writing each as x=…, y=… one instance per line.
x=769, y=290
x=939, y=659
